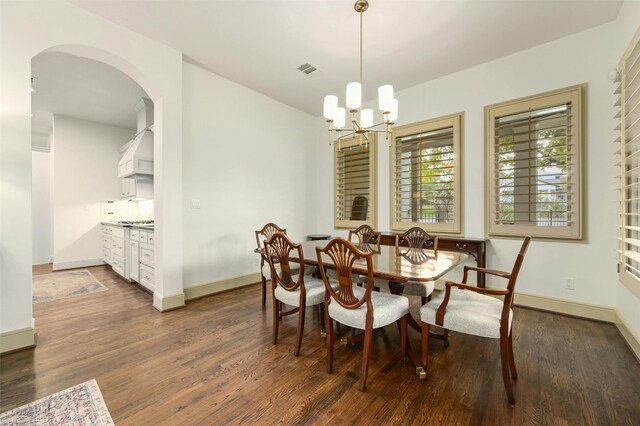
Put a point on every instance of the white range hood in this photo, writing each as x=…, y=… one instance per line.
x=138, y=158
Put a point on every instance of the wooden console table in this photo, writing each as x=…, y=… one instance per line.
x=475, y=247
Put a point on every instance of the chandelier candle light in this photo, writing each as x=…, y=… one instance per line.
x=387, y=104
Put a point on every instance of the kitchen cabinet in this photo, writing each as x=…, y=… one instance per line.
x=134, y=250
x=138, y=188
x=119, y=251
x=147, y=260
x=106, y=244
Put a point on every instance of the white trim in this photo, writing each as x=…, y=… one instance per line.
x=17, y=339
x=632, y=339
x=77, y=264
x=578, y=309
x=168, y=303
x=220, y=286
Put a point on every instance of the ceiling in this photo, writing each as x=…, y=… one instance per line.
x=261, y=43
x=80, y=88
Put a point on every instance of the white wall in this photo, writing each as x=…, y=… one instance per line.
x=26, y=29
x=41, y=204
x=247, y=159
x=581, y=58
x=85, y=173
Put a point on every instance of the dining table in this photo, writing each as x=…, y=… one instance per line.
x=398, y=266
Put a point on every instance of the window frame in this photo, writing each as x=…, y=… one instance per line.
x=456, y=121
x=373, y=186
x=627, y=278
x=576, y=96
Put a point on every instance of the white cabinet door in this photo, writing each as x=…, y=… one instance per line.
x=128, y=187
x=146, y=277
x=134, y=250
x=146, y=254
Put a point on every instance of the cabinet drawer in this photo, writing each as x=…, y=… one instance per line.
x=135, y=235
x=146, y=277
x=146, y=254
x=118, y=264
x=106, y=241
x=117, y=232
x=106, y=255
x=106, y=230
x=144, y=237
x=150, y=238
x=117, y=246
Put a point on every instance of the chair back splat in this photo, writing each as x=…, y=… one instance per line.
x=343, y=255
x=417, y=240
x=278, y=249
x=365, y=235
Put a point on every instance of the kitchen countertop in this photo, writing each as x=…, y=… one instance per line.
x=121, y=225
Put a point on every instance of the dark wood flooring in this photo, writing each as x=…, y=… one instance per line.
x=213, y=363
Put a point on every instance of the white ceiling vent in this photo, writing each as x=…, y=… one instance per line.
x=307, y=68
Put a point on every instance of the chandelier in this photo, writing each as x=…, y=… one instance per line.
x=361, y=118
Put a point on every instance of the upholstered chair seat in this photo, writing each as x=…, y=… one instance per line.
x=468, y=312
x=314, y=292
x=387, y=309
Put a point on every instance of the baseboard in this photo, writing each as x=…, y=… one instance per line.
x=220, y=286
x=627, y=333
x=168, y=303
x=15, y=340
x=77, y=264
x=578, y=309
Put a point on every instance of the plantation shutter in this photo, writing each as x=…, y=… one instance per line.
x=426, y=177
x=354, y=183
x=629, y=164
x=535, y=166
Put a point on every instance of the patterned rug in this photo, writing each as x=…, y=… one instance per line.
x=60, y=285
x=80, y=405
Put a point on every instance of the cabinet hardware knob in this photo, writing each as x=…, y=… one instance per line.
x=461, y=246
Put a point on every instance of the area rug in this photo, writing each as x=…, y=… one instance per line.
x=60, y=285
x=80, y=405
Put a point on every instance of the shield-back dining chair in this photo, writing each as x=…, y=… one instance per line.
x=355, y=306
x=297, y=291
x=473, y=310
x=262, y=235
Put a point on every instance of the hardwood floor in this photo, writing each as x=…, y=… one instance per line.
x=213, y=363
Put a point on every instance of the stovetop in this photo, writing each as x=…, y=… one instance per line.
x=135, y=222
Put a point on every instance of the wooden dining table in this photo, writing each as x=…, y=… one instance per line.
x=396, y=266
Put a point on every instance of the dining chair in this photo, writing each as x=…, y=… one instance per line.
x=355, y=306
x=416, y=245
x=262, y=235
x=474, y=310
x=365, y=235
x=297, y=291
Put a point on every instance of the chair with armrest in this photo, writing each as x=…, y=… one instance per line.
x=297, y=291
x=265, y=234
x=473, y=310
x=357, y=307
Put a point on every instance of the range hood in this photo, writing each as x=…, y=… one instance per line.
x=138, y=157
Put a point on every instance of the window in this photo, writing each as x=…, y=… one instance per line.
x=355, y=183
x=533, y=154
x=426, y=165
x=629, y=164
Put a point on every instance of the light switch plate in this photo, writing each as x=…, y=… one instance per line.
x=195, y=204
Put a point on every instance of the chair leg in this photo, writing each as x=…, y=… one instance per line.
x=425, y=345
x=323, y=324
x=301, y=314
x=329, y=323
x=264, y=291
x=445, y=338
x=403, y=336
x=368, y=337
x=276, y=319
x=512, y=362
x=504, y=359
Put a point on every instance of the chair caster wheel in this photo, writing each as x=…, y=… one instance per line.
x=323, y=334
x=421, y=373
x=344, y=341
